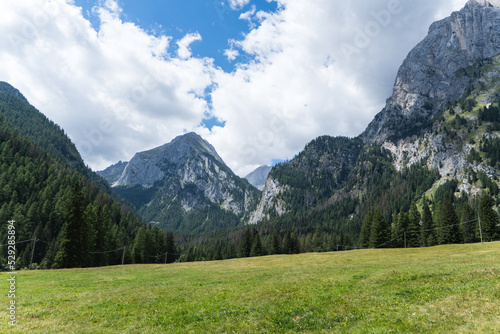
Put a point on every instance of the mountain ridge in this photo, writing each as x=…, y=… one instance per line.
x=430, y=127
x=184, y=183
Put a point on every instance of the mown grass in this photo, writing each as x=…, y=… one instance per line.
x=445, y=289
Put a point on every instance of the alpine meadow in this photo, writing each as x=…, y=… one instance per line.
x=396, y=229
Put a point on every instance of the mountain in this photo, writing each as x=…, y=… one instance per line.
x=113, y=173
x=184, y=186
x=50, y=195
x=438, y=134
x=439, y=71
x=258, y=177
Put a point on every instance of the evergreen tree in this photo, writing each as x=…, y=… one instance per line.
x=449, y=231
x=380, y=230
x=364, y=238
x=399, y=230
x=257, y=249
x=469, y=222
x=295, y=244
x=275, y=244
x=412, y=237
x=73, y=248
x=246, y=243
x=488, y=217
x=427, y=237
x=287, y=243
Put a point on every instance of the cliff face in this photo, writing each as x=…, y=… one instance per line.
x=435, y=118
x=439, y=71
x=183, y=177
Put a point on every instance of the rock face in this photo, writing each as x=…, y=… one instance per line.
x=426, y=121
x=439, y=70
x=113, y=173
x=258, y=177
x=183, y=177
x=269, y=201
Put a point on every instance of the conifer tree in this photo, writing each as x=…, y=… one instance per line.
x=488, y=217
x=380, y=230
x=275, y=244
x=413, y=235
x=257, y=249
x=469, y=222
x=449, y=232
x=246, y=243
x=287, y=243
x=366, y=228
x=73, y=248
x=427, y=234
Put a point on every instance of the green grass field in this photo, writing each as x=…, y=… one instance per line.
x=445, y=289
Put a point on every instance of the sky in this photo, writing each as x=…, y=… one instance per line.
x=258, y=79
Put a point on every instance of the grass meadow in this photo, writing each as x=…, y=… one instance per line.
x=444, y=289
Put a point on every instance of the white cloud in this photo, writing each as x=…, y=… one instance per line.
x=115, y=91
x=184, y=52
x=238, y=4
x=231, y=54
x=303, y=85
x=120, y=90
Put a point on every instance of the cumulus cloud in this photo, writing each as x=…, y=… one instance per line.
x=184, y=52
x=115, y=91
x=238, y=4
x=314, y=73
x=312, y=68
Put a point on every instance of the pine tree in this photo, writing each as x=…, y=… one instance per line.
x=73, y=248
x=287, y=243
x=275, y=244
x=246, y=243
x=400, y=228
x=488, y=217
x=449, y=232
x=427, y=234
x=412, y=235
x=380, y=230
x=257, y=249
x=364, y=237
x=469, y=222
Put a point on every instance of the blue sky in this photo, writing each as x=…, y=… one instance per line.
x=258, y=79
x=214, y=20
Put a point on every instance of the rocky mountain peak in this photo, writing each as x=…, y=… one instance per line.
x=483, y=3
x=439, y=70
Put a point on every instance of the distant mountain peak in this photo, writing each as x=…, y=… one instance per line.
x=258, y=177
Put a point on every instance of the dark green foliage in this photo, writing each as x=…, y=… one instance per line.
x=257, y=249
x=275, y=247
x=380, y=231
x=490, y=114
x=469, y=223
x=246, y=243
x=492, y=149
x=74, y=240
x=364, y=238
x=468, y=104
x=489, y=218
x=448, y=223
x=45, y=189
x=413, y=237
x=427, y=235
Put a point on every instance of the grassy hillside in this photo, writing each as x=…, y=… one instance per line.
x=445, y=289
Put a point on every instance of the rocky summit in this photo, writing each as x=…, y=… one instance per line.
x=184, y=182
x=439, y=71
x=438, y=133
